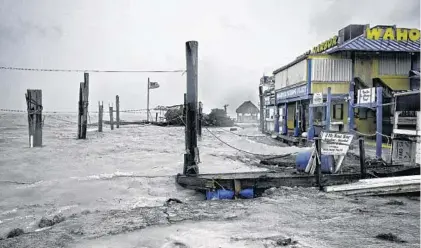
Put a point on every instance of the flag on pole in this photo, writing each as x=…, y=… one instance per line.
x=153, y=85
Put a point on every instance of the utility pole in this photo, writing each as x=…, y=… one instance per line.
x=100, y=115
x=147, y=104
x=83, y=107
x=191, y=157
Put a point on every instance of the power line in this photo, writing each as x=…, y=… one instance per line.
x=88, y=70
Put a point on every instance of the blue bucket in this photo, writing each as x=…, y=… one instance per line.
x=327, y=163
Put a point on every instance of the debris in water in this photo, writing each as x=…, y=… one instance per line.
x=172, y=200
x=15, y=232
x=286, y=242
x=45, y=222
x=395, y=202
x=233, y=129
x=390, y=237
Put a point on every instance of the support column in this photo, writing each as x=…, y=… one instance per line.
x=351, y=119
x=276, y=124
x=328, y=108
x=379, y=122
x=310, y=132
x=297, y=125
x=285, y=126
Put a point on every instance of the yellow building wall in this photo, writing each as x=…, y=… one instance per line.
x=336, y=87
x=366, y=126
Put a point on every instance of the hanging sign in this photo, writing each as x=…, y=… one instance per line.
x=318, y=98
x=366, y=96
x=336, y=143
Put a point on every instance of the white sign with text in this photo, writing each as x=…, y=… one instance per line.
x=366, y=96
x=318, y=98
x=335, y=143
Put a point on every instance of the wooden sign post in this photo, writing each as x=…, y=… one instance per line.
x=34, y=106
x=111, y=117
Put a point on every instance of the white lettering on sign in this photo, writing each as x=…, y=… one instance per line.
x=335, y=143
x=318, y=98
x=366, y=96
x=298, y=91
x=402, y=150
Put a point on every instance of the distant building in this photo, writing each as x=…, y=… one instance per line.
x=247, y=112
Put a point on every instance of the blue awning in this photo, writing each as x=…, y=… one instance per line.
x=361, y=43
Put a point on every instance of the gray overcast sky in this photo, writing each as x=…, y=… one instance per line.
x=238, y=42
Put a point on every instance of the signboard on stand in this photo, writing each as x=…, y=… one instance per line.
x=401, y=150
x=366, y=96
x=335, y=143
x=317, y=98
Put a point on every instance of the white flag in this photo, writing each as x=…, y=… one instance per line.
x=153, y=85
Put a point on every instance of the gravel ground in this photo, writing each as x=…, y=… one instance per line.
x=111, y=191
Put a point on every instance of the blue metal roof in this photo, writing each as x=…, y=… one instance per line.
x=361, y=43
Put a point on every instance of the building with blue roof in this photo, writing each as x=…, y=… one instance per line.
x=358, y=57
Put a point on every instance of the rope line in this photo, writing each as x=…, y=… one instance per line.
x=88, y=70
x=238, y=149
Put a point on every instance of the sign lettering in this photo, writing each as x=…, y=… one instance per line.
x=366, y=96
x=318, y=98
x=294, y=92
x=336, y=143
x=401, y=150
x=398, y=34
x=326, y=45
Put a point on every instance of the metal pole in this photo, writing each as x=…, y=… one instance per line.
x=318, y=160
x=328, y=108
x=147, y=105
x=191, y=159
x=351, y=120
x=379, y=122
x=285, y=128
x=297, y=116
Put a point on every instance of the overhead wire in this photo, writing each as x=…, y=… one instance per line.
x=89, y=70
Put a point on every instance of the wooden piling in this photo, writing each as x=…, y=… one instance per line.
x=100, y=116
x=156, y=117
x=34, y=106
x=117, y=111
x=362, y=158
x=190, y=162
x=318, y=163
x=83, y=107
x=111, y=117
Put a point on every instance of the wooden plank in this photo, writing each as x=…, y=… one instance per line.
x=262, y=180
x=399, y=189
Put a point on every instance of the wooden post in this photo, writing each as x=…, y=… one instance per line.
x=117, y=111
x=34, y=106
x=156, y=117
x=83, y=107
x=318, y=161
x=100, y=115
x=199, y=122
x=362, y=158
x=147, y=102
x=191, y=160
x=262, y=114
x=111, y=117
